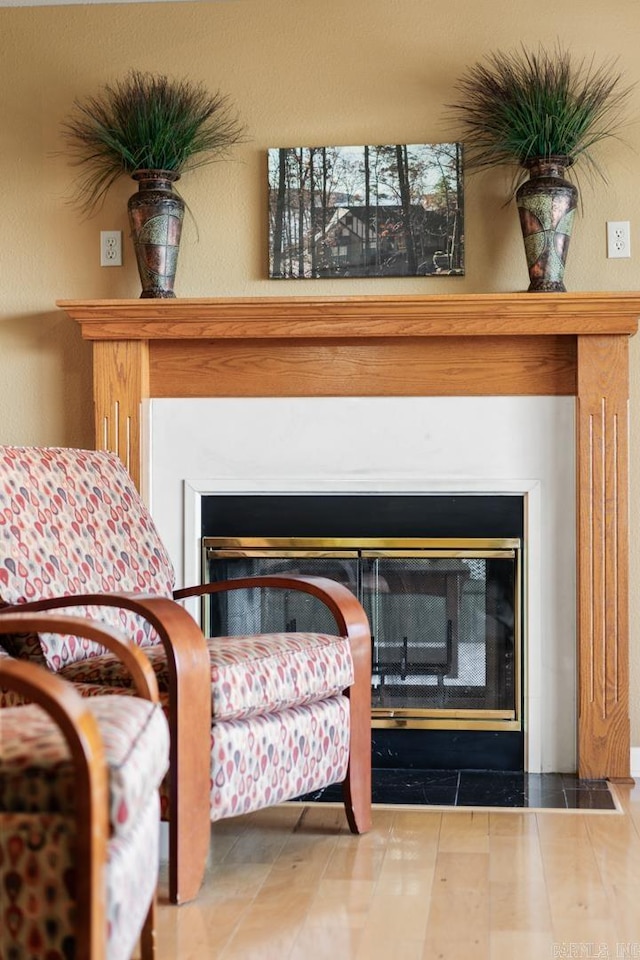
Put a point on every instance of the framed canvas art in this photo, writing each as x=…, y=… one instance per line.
x=371, y=211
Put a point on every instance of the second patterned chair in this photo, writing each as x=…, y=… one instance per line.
x=79, y=806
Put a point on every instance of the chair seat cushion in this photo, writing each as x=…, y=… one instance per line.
x=136, y=743
x=250, y=675
x=270, y=673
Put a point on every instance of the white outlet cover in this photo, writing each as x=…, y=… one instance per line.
x=111, y=248
x=618, y=239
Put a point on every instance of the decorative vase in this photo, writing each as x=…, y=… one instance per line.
x=156, y=213
x=547, y=205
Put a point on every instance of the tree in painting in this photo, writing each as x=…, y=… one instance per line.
x=368, y=211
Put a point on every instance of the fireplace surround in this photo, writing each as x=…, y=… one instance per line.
x=296, y=448
x=568, y=345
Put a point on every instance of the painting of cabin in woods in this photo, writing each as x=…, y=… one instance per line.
x=372, y=211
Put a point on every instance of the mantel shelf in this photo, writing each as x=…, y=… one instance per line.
x=367, y=317
x=568, y=344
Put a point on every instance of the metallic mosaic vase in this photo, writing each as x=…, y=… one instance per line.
x=156, y=213
x=547, y=205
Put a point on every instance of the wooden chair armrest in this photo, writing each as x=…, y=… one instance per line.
x=131, y=655
x=80, y=730
x=351, y=619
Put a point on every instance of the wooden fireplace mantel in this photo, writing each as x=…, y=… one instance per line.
x=468, y=345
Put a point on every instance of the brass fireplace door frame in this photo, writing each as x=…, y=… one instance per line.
x=362, y=548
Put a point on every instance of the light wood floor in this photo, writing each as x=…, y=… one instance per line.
x=292, y=882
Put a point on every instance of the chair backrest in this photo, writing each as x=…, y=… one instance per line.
x=72, y=522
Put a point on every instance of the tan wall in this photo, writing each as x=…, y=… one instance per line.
x=301, y=73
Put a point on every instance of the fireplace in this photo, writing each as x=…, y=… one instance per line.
x=211, y=359
x=440, y=579
x=445, y=610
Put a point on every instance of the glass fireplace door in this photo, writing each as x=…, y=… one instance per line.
x=445, y=628
x=445, y=618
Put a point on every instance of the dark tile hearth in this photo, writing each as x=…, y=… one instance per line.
x=471, y=788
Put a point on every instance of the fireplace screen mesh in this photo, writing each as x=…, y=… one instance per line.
x=444, y=623
x=272, y=611
x=443, y=632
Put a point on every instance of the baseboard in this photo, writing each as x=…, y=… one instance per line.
x=635, y=762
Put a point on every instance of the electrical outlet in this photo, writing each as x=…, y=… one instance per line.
x=111, y=248
x=618, y=238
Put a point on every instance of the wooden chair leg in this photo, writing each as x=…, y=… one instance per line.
x=357, y=785
x=148, y=934
x=190, y=755
x=357, y=789
x=189, y=821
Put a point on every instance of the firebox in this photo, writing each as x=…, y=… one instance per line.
x=445, y=611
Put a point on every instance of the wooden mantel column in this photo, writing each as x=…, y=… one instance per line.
x=603, y=550
x=467, y=345
x=120, y=384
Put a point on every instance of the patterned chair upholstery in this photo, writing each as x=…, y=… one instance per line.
x=79, y=807
x=254, y=720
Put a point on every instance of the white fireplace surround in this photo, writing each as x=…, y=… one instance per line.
x=488, y=445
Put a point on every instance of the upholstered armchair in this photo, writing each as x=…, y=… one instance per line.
x=79, y=805
x=254, y=721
